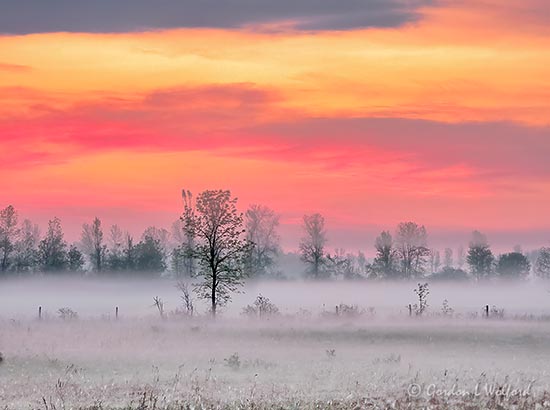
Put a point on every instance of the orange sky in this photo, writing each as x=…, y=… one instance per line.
x=443, y=120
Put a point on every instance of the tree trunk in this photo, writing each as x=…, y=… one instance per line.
x=213, y=296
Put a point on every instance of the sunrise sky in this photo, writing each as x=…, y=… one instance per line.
x=370, y=112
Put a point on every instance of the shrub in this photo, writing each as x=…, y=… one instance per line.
x=262, y=308
x=233, y=361
x=159, y=304
x=348, y=310
x=188, y=306
x=66, y=313
x=422, y=291
x=496, y=312
x=446, y=310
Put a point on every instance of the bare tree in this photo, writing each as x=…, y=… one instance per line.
x=92, y=243
x=159, y=304
x=261, y=230
x=312, y=245
x=186, y=298
x=220, y=249
x=412, y=248
x=9, y=232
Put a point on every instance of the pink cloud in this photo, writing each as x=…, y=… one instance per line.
x=241, y=120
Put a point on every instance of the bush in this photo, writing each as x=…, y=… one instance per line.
x=446, y=310
x=422, y=291
x=262, y=308
x=348, y=310
x=233, y=361
x=66, y=313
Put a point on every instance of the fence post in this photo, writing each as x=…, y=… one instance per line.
x=337, y=311
x=39, y=312
x=410, y=310
x=486, y=310
x=116, y=313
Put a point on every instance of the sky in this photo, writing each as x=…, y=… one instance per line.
x=370, y=112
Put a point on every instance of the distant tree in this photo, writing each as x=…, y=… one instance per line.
x=542, y=263
x=92, y=243
x=161, y=235
x=480, y=258
x=163, y=238
x=75, y=259
x=312, y=245
x=386, y=256
x=448, y=258
x=53, y=248
x=460, y=257
x=518, y=248
x=129, y=252
x=9, y=233
x=435, y=260
x=149, y=256
x=361, y=262
x=177, y=262
x=342, y=265
x=513, y=264
x=261, y=224
x=220, y=247
x=183, y=262
x=451, y=274
x=115, y=259
x=26, y=248
x=411, y=242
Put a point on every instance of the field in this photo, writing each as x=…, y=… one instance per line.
x=380, y=358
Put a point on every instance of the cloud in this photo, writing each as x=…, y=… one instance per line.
x=14, y=68
x=241, y=121
x=34, y=16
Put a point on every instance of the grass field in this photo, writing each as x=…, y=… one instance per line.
x=292, y=361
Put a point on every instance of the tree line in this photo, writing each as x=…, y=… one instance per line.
x=181, y=252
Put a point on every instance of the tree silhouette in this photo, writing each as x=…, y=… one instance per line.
x=217, y=229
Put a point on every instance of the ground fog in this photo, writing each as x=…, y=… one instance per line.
x=372, y=355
